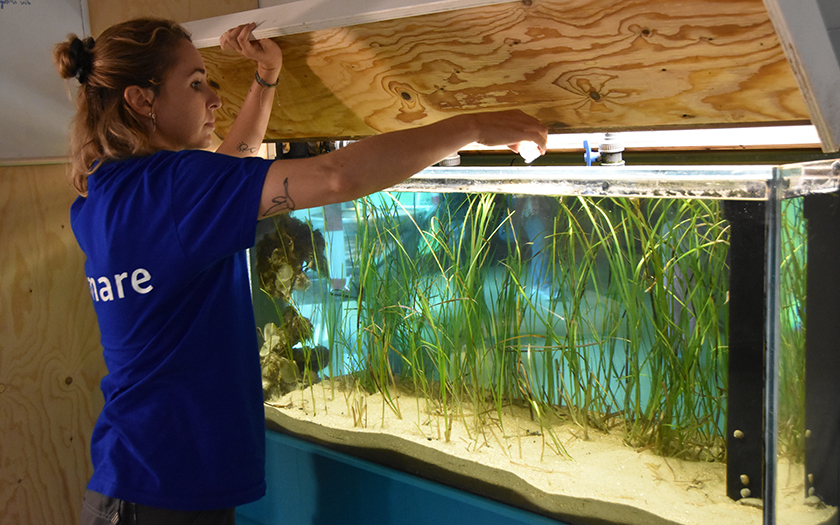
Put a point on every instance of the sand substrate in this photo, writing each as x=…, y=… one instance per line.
x=514, y=462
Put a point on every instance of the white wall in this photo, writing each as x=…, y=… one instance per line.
x=35, y=107
x=830, y=10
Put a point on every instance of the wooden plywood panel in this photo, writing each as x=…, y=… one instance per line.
x=50, y=359
x=578, y=65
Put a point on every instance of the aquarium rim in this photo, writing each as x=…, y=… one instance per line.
x=737, y=182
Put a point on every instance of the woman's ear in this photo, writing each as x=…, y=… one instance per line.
x=139, y=99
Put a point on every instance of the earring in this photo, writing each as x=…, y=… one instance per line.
x=154, y=120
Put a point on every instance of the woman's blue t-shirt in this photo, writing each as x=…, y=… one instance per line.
x=183, y=424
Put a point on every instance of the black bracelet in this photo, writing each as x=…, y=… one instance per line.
x=263, y=83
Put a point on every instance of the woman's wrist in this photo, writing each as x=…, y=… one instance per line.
x=269, y=75
x=261, y=81
x=468, y=129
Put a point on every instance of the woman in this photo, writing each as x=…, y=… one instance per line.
x=164, y=225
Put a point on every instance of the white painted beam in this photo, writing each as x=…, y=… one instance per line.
x=808, y=47
x=302, y=16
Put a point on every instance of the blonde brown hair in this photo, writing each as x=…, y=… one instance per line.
x=135, y=53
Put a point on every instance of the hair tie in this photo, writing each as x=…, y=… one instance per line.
x=81, y=54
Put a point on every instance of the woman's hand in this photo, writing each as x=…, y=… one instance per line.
x=266, y=52
x=509, y=128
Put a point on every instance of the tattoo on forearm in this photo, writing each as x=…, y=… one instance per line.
x=243, y=148
x=281, y=202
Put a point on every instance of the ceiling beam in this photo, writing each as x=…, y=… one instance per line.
x=808, y=47
x=301, y=16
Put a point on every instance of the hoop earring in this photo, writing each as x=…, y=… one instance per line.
x=154, y=120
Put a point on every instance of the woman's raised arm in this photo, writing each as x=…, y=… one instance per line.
x=381, y=161
x=248, y=129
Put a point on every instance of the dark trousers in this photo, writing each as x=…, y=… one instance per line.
x=98, y=509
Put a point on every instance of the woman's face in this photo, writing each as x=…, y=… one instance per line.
x=185, y=105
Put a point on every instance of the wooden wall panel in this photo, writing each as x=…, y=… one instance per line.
x=578, y=65
x=50, y=358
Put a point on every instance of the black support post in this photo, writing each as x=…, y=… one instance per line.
x=745, y=414
x=822, y=349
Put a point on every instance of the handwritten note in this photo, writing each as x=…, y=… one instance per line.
x=4, y=3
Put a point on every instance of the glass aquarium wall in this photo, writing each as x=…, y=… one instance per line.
x=486, y=312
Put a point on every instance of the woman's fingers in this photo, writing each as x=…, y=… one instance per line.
x=243, y=36
x=238, y=38
x=510, y=128
x=264, y=51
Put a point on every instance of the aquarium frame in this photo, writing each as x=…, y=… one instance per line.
x=772, y=304
x=822, y=358
x=745, y=429
x=753, y=195
x=731, y=182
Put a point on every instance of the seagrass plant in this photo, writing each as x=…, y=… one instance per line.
x=601, y=314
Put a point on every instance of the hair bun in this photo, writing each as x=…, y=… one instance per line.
x=82, y=57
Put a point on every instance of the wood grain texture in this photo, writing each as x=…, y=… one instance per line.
x=50, y=358
x=578, y=65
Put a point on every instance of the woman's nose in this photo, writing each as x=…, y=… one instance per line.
x=215, y=101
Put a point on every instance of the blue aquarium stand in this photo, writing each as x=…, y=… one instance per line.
x=309, y=484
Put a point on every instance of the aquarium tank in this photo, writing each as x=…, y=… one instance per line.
x=606, y=344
